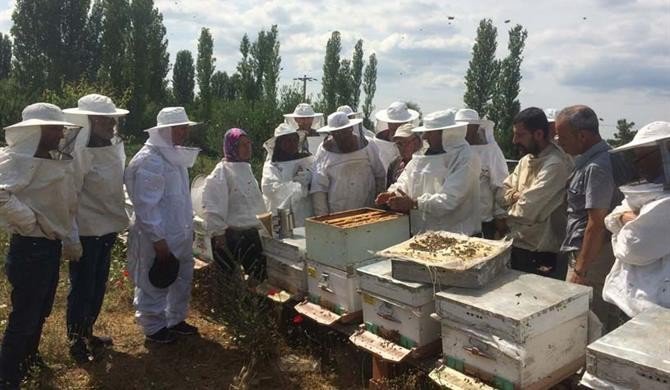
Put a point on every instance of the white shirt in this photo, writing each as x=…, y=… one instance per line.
x=280, y=188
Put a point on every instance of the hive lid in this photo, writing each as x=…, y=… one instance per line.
x=644, y=341
x=514, y=295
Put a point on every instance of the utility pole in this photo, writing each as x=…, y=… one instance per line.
x=304, y=80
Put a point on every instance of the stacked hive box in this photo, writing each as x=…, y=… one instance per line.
x=397, y=310
x=286, y=262
x=339, y=243
x=633, y=356
x=521, y=331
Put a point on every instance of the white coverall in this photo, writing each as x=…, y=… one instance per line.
x=446, y=187
x=158, y=185
x=640, y=277
x=350, y=180
x=388, y=151
x=30, y=187
x=99, y=184
x=286, y=184
x=231, y=198
x=494, y=172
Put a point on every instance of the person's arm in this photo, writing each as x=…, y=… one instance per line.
x=531, y=205
x=72, y=249
x=594, y=238
x=16, y=213
x=215, y=201
x=377, y=168
x=644, y=239
x=320, y=184
x=506, y=196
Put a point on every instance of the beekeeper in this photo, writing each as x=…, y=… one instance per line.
x=388, y=121
x=494, y=168
x=158, y=185
x=407, y=143
x=440, y=187
x=356, y=115
x=37, y=206
x=287, y=174
x=640, y=277
x=307, y=122
x=348, y=173
x=99, y=161
x=231, y=199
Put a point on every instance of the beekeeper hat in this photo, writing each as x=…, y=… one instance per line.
x=338, y=121
x=171, y=117
x=647, y=136
x=397, y=112
x=95, y=104
x=41, y=114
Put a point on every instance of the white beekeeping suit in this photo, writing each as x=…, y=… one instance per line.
x=446, y=185
x=98, y=174
x=350, y=180
x=286, y=183
x=396, y=114
x=494, y=167
x=30, y=186
x=158, y=185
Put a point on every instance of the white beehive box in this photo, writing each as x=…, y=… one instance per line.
x=634, y=356
x=202, y=242
x=445, y=269
x=340, y=240
x=292, y=248
x=288, y=275
x=332, y=288
x=522, y=329
x=393, y=305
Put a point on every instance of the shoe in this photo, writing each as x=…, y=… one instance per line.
x=79, y=352
x=184, y=329
x=96, y=342
x=163, y=336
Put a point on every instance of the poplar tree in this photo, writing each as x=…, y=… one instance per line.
x=480, y=79
x=205, y=67
x=331, y=72
x=5, y=56
x=357, y=74
x=183, y=78
x=369, y=87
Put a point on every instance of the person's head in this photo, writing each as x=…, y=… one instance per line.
x=407, y=142
x=288, y=144
x=304, y=123
x=577, y=129
x=51, y=136
x=236, y=146
x=393, y=126
x=645, y=149
x=530, y=131
x=179, y=134
x=344, y=138
x=102, y=127
x=648, y=162
x=434, y=139
x=473, y=135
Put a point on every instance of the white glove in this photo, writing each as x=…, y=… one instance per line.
x=304, y=177
x=73, y=251
x=18, y=216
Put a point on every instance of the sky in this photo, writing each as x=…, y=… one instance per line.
x=613, y=55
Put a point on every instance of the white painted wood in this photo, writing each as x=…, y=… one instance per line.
x=376, y=278
x=636, y=355
x=333, y=286
x=343, y=247
x=289, y=275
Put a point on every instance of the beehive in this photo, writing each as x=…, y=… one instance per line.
x=343, y=239
x=448, y=259
x=391, y=306
x=521, y=330
x=634, y=356
x=286, y=262
x=332, y=288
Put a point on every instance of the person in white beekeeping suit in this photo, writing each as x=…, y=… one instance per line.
x=307, y=122
x=347, y=173
x=287, y=174
x=388, y=121
x=162, y=229
x=231, y=200
x=37, y=206
x=494, y=168
x=640, y=277
x=99, y=161
x=439, y=188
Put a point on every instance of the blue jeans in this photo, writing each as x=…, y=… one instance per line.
x=32, y=270
x=88, y=282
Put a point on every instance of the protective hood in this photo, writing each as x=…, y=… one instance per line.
x=637, y=195
x=454, y=137
x=23, y=140
x=180, y=156
x=492, y=157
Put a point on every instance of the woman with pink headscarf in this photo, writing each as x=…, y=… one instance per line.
x=231, y=199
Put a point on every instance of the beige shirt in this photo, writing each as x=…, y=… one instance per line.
x=537, y=219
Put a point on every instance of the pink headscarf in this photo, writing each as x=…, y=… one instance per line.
x=230, y=141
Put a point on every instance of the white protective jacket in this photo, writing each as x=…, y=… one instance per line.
x=231, y=198
x=494, y=172
x=37, y=196
x=286, y=184
x=446, y=187
x=99, y=184
x=640, y=277
x=350, y=180
x=388, y=151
